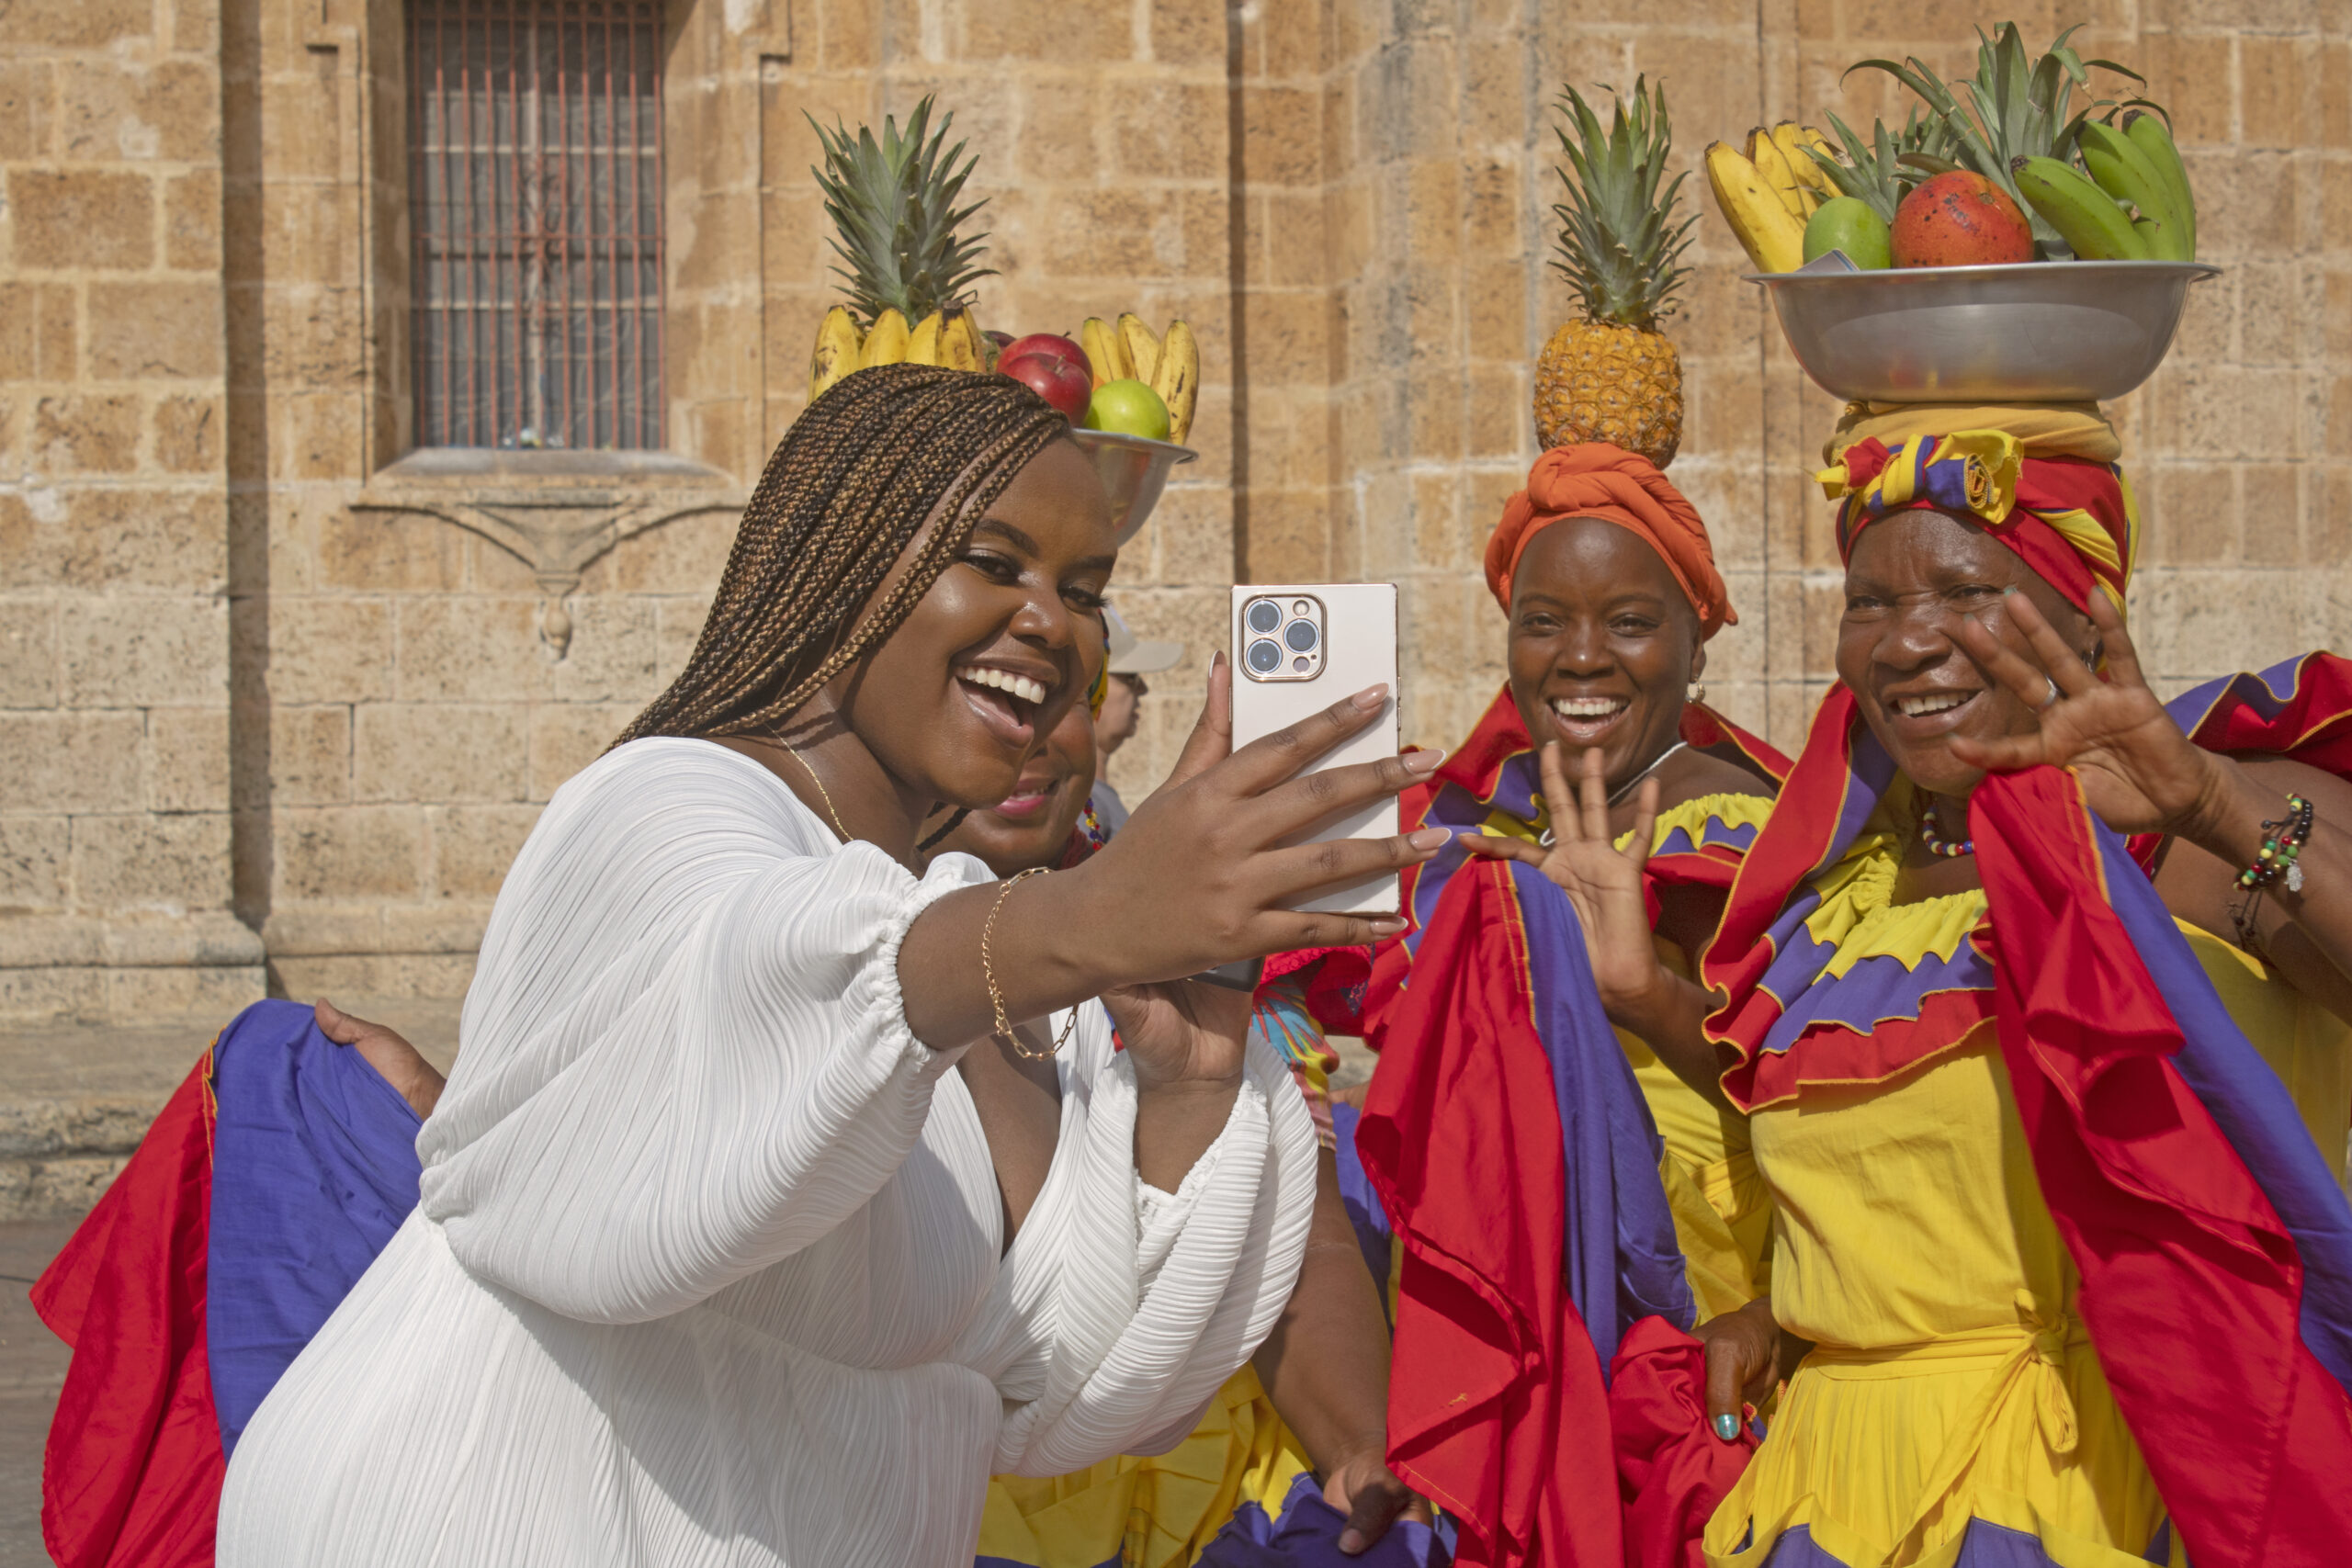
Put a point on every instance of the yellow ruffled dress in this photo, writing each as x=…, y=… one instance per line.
x=1722, y=1211
x=1952, y=1380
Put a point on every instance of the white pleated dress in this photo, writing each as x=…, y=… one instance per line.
x=710, y=1265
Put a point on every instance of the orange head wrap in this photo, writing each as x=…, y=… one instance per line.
x=1596, y=480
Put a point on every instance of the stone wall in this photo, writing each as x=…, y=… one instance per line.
x=113, y=713
x=270, y=678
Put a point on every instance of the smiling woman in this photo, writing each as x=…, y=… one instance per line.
x=715, y=1259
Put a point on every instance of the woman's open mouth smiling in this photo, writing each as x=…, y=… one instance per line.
x=1584, y=721
x=1921, y=714
x=1006, y=701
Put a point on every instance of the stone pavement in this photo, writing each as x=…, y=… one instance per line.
x=32, y=1369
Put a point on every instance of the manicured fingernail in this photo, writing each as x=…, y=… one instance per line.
x=1371, y=697
x=2012, y=588
x=1216, y=661
x=1424, y=761
x=1430, y=837
x=1727, y=1427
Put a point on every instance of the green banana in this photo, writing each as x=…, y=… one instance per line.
x=2149, y=133
x=2122, y=171
x=2085, y=217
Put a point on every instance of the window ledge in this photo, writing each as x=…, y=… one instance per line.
x=474, y=465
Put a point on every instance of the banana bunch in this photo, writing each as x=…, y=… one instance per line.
x=1768, y=191
x=2136, y=168
x=1127, y=350
x=950, y=337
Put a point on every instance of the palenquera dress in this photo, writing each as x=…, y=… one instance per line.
x=2077, y=1269
x=1562, y=1204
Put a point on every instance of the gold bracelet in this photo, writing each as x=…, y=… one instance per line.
x=1003, y=1030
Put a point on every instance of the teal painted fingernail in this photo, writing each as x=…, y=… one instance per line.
x=2012, y=588
x=1727, y=1427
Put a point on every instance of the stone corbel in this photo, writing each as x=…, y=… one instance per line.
x=556, y=529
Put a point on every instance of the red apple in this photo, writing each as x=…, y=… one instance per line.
x=1061, y=379
x=1046, y=342
x=1961, y=219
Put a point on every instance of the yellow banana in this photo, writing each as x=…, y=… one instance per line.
x=922, y=344
x=960, y=342
x=1772, y=236
x=887, y=343
x=1177, y=379
x=1105, y=351
x=1793, y=138
x=1772, y=167
x=838, y=346
x=1142, y=346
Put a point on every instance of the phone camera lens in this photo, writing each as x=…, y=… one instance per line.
x=1264, y=616
x=1300, y=635
x=1301, y=607
x=1264, y=656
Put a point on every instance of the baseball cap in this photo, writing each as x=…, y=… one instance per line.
x=1130, y=656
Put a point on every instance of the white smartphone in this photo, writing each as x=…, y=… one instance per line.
x=1298, y=649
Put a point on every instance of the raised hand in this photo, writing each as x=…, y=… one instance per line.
x=1603, y=883
x=2138, y=770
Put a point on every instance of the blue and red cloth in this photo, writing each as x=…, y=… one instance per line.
x=276, y=1173
x=1542, y=1297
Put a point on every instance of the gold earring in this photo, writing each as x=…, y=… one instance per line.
x=1696, y=692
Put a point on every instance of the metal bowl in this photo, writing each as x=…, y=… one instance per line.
x=1134, y=470
x=2030, y=332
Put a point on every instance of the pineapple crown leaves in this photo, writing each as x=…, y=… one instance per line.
x=894, y=212
x=2016, y=107
x=1876, y=171
x=1618, y=242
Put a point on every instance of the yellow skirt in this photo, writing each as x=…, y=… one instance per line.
x=1885, y=1456
x=1156, y=1512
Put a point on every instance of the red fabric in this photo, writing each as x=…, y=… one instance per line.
x=2246, y=713
x=1672, y=1473
x=132, y=1472
x=1596, y=480
x=2192, y=1285
x=1495, y=1397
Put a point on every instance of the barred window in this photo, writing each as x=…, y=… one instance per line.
x=536, y=135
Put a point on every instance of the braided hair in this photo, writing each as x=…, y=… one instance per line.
x=844, y=495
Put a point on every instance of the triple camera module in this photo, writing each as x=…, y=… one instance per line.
x=1285, y=639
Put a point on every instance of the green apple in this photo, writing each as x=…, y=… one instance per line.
x=1847, y=224
x=1128, y=408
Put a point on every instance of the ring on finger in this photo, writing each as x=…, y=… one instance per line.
x=2052, y=700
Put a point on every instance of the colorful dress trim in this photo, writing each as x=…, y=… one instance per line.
x=2214, y=1241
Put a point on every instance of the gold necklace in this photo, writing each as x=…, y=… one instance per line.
x=844, y=832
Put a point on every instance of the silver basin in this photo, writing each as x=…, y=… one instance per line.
x=2032, y=332
x=1134, y=470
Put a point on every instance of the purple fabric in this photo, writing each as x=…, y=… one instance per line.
x=1711, y=832
x=2252, y=1107
x=1373, y=1233
x=1619, y=1254
x=1987, y=1545
x=313, y=1168
x=1875, y=990
x=1307, y=1536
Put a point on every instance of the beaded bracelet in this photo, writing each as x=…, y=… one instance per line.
x=2282, y=847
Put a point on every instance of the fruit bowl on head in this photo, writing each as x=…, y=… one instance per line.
x=2022, y=332
x=1134, y=470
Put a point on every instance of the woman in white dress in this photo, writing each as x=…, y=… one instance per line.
x=752, y=1231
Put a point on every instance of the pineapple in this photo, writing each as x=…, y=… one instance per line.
x=1612, y=376
x=1874, y=172
x=893, y=206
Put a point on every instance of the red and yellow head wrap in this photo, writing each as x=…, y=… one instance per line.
x=2042, y=479
x=1596, y=480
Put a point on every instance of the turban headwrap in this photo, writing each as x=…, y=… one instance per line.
x=1596, y=480
x=2041, y=479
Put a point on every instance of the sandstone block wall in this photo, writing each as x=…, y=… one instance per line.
x=276, y=687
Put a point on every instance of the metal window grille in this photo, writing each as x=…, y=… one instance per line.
x=536, y=135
